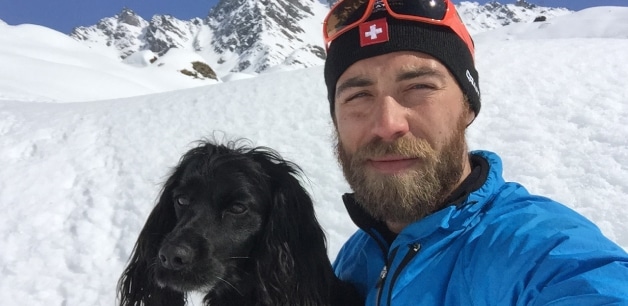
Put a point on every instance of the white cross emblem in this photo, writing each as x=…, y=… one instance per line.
x=373, y=31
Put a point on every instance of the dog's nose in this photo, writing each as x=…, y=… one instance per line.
x=175, y=257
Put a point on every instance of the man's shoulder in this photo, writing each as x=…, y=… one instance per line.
x=528, y=229
x=355, y=245
x=514, y=206
x=557, y=249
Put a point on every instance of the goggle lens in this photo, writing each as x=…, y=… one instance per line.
x=432, y=9
x=344, y=14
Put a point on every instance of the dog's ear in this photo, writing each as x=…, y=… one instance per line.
x=293, y=246
x=136, y=285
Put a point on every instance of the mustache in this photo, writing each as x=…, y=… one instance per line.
x=404, y=147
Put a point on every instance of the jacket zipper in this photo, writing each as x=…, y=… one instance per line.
x=383, y=274
x=414, y=249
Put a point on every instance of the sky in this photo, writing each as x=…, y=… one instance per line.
x=64, y=15
x=79, y=179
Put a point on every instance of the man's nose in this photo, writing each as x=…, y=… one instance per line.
x=390, y=119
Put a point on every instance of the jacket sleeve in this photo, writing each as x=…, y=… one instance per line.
x=594, y=279
x=583, y=268
x=545, y=254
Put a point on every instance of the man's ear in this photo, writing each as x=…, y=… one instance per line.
x=470, y=117
x=470, y=114
x=334, y=119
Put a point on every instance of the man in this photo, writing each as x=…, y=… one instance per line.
x=439, y=225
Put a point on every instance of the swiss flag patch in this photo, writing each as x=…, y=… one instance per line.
x=373, y=32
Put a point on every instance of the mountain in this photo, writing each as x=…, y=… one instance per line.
x=128, y=33
x=247, y=36
x=123, y=32
x=253, y=36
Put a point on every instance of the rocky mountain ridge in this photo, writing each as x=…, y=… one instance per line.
x=253, y=36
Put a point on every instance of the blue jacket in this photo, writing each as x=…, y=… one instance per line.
x=499, y=246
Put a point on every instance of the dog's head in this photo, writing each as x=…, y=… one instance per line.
x=221, y=198
x=230, y=221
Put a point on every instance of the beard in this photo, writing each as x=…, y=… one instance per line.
x=412, y=194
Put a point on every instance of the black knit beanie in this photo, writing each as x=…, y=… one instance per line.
x=437, y=41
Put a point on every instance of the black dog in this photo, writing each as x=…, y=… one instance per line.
x=234, y=223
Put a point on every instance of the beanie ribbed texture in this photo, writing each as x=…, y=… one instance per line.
x=437, y=41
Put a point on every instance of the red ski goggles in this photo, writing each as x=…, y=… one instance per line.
x=348, y=14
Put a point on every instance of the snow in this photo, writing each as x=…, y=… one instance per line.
x=582, y=24
x=42, y=65
x=493, y=15
x=141, y=58
x=177, y=60
x=79, y=179
x=234, y=76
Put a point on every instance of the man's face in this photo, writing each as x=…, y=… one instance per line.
x=400, y=120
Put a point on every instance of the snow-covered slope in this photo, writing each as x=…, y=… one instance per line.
x=595, y=22
x=493, y=15
x=40, y=64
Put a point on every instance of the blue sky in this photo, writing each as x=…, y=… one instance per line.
x=64, y=15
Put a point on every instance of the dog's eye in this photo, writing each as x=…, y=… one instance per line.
x=181, y=200
x=237, y=209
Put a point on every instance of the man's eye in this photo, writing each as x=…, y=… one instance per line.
x=182, y=200
x=356, y=96
x=422, y=86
